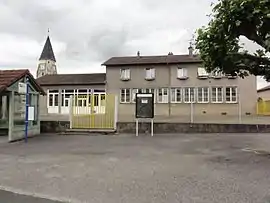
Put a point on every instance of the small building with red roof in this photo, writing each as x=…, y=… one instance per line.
x=13, y=104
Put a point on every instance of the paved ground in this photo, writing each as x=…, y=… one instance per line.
x=15, y=198
x=173, y=168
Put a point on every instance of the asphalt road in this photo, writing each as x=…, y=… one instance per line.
x=183, y=168
x=9, y=197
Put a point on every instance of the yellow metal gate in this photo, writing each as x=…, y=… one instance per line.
x=94, y=111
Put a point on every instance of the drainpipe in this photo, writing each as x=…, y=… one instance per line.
x=169, y=88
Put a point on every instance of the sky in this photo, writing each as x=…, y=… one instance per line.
x=85, y=33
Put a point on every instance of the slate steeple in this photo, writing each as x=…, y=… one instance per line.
x=47, y=53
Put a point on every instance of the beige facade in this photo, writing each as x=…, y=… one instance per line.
x=215, y=97
x=55, y=105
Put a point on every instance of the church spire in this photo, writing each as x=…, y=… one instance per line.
x=47, y=53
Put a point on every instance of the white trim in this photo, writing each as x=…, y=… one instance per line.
x=175, y=95
x=71, y=111
x=203, y=94
x=222, y=95
x=125, y=102
x=236, y=93
x=190, y=100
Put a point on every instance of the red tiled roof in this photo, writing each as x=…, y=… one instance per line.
x=144, y=60
x=8, y=77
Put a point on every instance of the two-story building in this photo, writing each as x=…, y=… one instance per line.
x=183, y=89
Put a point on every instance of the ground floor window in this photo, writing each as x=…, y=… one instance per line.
x=189, y=94
x=231, y=94
x=203, y=95
x=125, y=95
x=176, y=95
x=163, y=95
x=217, y=95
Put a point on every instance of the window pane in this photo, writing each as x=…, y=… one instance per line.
x=56, y=100
x=127, y=95
x=123, y=94
x=173, y=94
x=50, y=100
x=228, y=94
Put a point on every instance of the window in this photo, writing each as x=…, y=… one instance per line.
x=163, y=95
x=231, y=94
x=217, y=95
x=203, y=95
x=202, y=73
x=125, y=74
x=176, y=96
x=125, y=96
x=134, y=91
x=182, y=73
x=150, y=73
x=53, y=98
x=189, y=94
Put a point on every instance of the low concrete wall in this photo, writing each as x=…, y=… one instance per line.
x=129, y=127
x=18, y=132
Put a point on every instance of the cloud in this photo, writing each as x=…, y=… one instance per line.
x=85, y=33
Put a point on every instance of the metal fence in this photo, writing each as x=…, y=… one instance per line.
x=94, y=111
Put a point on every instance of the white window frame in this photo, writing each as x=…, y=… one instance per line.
x=189, y=100
x=125, y=101
x=125, y=74
x=150, y=73
x=217, y=95
x=202, y=73
x=164, y=95
x=182, y=73
x=231, y=96
x=202, y=96
x=53, y=94
x=175, y=92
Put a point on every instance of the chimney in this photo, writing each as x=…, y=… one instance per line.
x=190, y=50
x=170, y=53
x=138, y=54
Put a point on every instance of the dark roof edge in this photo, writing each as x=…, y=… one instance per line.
x=130, y=64
x=263, y=89
x=77, y=84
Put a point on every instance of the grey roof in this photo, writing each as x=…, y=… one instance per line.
x=73, y=79
x=144, y=60
x=47, y=53
x=264, y=89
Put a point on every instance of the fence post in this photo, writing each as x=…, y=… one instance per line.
x=70, y=111
x=115, y=112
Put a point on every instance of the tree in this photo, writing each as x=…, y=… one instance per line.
x=219, y=42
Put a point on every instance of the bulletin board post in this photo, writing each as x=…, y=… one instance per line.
x=144, y=110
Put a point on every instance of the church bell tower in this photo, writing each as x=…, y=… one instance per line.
x=47, y=62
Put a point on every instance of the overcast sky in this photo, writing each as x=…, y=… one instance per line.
x=85, y=33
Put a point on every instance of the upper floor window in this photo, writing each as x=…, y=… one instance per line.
x=203, y=95
x=163, y=95
x=150, y=73
x=202, y=73
x=231, y=94
x=189, y=94
x=217, y=95
x=176, y=96
x=182, y=73
x=125, y=74
x=125, y=95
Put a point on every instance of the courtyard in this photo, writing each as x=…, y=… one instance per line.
x=185, y=168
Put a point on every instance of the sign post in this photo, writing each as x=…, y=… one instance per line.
x=144, y=110
x=26, y=109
